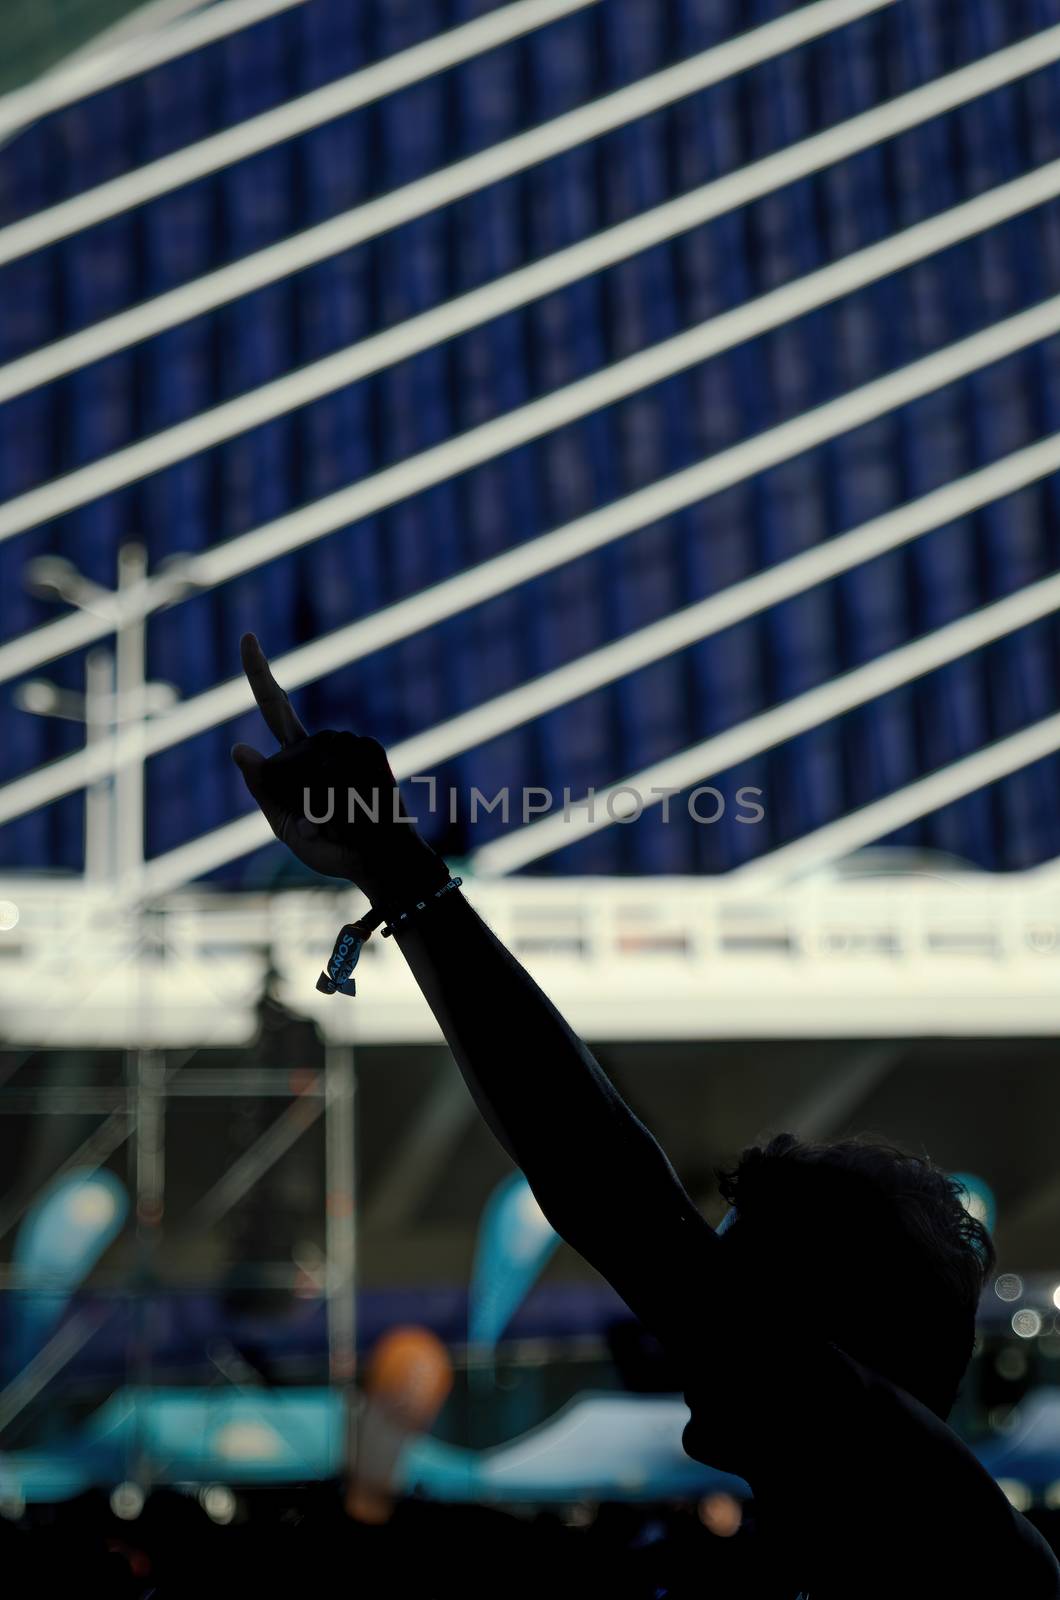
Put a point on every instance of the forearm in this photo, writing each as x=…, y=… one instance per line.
x=547, y=1099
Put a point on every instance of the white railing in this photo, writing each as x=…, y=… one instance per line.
x=625, y=958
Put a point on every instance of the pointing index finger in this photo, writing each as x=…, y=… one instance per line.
x=273, y=703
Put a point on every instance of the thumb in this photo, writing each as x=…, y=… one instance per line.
x=251, y=764
x=248, y=760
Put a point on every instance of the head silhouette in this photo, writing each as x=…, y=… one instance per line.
x=870, y=1248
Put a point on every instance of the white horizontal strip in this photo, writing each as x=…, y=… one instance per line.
x=103, y=68
x=283, y=122
x=1044, y=876
x=786, y=721
x=781, y=305
x=425, y=751
x=364, y=222
x=852, y=410
x=892, y=811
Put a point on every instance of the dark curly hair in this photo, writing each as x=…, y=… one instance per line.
x=897, y=1262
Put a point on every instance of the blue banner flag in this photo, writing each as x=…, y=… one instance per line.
x=514, y=1243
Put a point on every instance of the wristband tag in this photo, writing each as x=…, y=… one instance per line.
x=338, y=978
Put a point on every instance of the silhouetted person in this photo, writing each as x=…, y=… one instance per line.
x=831, y=1403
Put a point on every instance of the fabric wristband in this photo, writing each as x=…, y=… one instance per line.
x=337, y=977
x=420, y=905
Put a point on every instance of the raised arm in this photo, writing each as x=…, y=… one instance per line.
x=598, y=1174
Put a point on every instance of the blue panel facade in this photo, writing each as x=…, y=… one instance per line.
x=485, y=373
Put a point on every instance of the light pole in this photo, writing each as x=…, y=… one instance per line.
x=131, y=707
x=116, y=696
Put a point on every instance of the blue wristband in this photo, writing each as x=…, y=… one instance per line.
x=420, y=905
x=338, y=977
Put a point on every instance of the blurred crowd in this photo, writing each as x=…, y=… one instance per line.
x=304, y=1543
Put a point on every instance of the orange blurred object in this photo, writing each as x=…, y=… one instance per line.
x=722, y=1514
x=408, y=1376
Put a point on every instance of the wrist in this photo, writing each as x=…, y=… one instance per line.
x=415, y=875
x=424, y=902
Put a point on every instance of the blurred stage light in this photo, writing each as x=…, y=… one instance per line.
x=1009, y=1286
x=1003, y=1419
x=8, y=915
x=247, y=1441
x=1027, y=1323
x=580, y=1515
x=127, y=1501
x=91, y=1206
x=38, y=696
x=218, y=1502
x=722, y=1514
x=1011, y=1364
x=1016, y=1493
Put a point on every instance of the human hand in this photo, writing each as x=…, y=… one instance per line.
x=370, y=844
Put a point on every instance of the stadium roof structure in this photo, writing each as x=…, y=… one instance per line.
x=966, y=955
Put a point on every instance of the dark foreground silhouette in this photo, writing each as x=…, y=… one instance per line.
x=836, y=1416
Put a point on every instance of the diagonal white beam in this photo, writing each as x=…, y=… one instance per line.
x=251, y=1165
x=415, y=334
x=82, y=628
x=210, y=428
x=530, y=421
x=424, y=1150
x=676, y=631
x=905, y=805
x=528, y=844
x=785, y=721
x=720, y=333
x=434, y=55
x=100, y=69
x=285, y=121
x=199, y=856
x=829, y=1107
x=343, y=232
x=587, y=533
